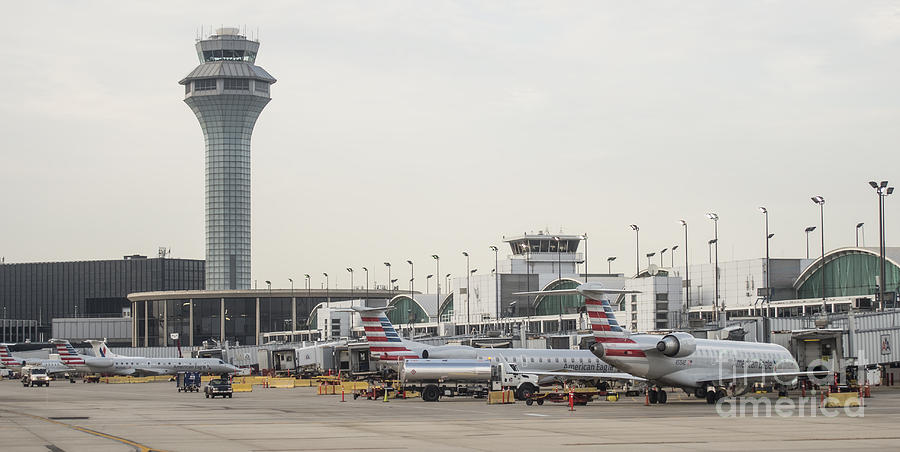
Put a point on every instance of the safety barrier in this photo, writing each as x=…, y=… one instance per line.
x=281, y=383
x=241, y=387
x=303, y=383
x=121, y=380
x=354, y=385
x=842, y=399
x=327, y=390
x=501, y=397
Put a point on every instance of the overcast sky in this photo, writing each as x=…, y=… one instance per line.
x=402, y=129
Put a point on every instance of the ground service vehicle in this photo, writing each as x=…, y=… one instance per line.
x=218, y=387
x=436, y=378
x=35, y=376
x=188, y=381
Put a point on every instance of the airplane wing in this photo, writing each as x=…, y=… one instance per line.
x=60, y=371
x=771, y=376
x=150, y=371
x=598, y=375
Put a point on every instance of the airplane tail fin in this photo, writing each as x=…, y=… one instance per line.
x=384, y=342
x=67, y=354
x=6, y=357
x=599, y=309
x=101, y=350
x=603, y=322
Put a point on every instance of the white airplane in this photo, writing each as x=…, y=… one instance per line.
x=53, y=366
x=128, y=365
x=547, y=364
x=703, y=367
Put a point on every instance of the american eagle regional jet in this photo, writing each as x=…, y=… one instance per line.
x=547, y=365
x=703, y=367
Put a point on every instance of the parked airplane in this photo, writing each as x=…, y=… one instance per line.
x=53, y=366
x=127, y=365
x=703, y=367
x=547, y=364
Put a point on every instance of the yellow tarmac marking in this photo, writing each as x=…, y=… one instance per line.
x=137, y=446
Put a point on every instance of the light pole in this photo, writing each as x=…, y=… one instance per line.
x=428, y=283
x=447, y=282
x=390, y=281
x=468, y=295
x=662, y=255
x=687, y=276
x=637, y=249
x=609, y=261
x=350, y=270
x=497, y=283
x=471, y=272
x=765, y=212
x=820, y=201
x=327, y=298
x=674, y=247
x=306, y=275
x=649, y=255
x=715, y=218
x=858, y=227
x=559, y=278
x=526, y=249
x=437, y=271
x=807, y=231
x=882, y=190
x=367, y=282
x=293, y=308
x=586, y=273
x=412, y=278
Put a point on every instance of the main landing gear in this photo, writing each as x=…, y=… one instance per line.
x=657, y=395
x=714, y=394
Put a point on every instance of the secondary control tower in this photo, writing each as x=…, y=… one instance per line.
x=227, y=92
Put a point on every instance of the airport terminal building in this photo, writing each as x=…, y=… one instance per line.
x=42, y=291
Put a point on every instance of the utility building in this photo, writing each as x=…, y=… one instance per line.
x=227, y=92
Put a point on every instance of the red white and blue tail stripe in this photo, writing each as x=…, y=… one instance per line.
x=384, y=342
x=67, y=354
x=608, y=332
x=6, y=358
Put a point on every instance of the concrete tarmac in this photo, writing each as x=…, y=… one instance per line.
x=154, y=416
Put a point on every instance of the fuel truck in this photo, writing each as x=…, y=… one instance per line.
x=436, y=378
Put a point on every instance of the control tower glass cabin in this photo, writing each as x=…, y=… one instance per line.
x=227, y=92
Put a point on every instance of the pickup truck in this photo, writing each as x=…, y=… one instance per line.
x=218, y=387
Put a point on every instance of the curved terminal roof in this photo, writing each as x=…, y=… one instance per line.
x=556, y=304
x=849, y=271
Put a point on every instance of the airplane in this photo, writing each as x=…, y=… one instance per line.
x=703, y=367
x=546, y=364
x=129, y=365
x=53, y=366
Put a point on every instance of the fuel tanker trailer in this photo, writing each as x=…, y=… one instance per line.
x=436, y=378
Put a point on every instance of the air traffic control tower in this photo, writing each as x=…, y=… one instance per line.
x=227, y=92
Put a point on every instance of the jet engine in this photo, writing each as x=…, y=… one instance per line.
x=677, y=345
x=597, y=349
x=449, y=352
